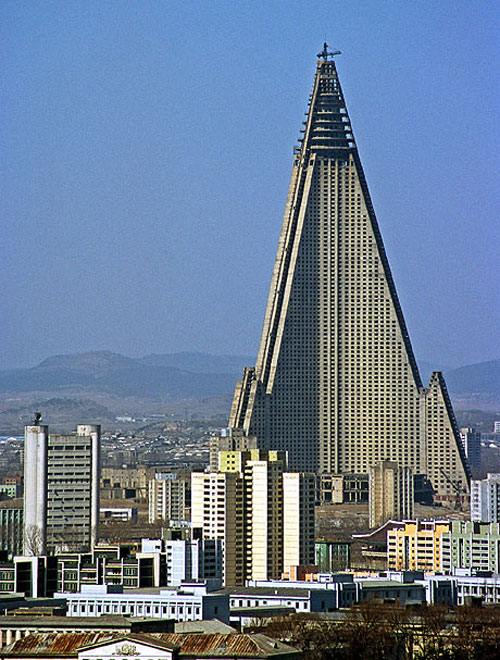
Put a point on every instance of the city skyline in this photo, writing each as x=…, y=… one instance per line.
x=146, y=169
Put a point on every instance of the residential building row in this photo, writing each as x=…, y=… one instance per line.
x=443, y=546
x=158, y=563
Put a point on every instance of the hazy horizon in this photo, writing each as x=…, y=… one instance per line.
x=148, y=149
x=441, y=366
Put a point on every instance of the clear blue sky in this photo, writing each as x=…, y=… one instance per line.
x=147, y=150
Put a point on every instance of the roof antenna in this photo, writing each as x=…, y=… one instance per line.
x=325, y=54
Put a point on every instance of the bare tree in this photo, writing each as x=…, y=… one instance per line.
x=32, y=541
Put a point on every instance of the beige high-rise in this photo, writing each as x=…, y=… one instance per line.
x=390, y=493
x=263, y=514
x=336, y=383
x=218, y=509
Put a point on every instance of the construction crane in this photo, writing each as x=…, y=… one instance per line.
x=325, y=54
x=457, y=487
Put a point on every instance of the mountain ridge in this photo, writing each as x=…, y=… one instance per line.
x=187, y=374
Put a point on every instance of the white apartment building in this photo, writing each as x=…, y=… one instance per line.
x=485, y=499
x=298, y=519
x=169, y=497
x=217, y=509
x=193, y=560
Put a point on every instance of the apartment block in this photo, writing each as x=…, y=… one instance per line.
x=471, y=441
x=229, y=440
x=11, y=530
x=218, y=510
x=244, y=505
x=390, y=494
x=416, y=546
x=61, y=488
x=485, y=499
x=331, y=556
x=169, y=497
x=471, y=545
x=298, y=519
x=195, y=560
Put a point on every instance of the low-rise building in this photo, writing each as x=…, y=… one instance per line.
x=118, y=514
x=18, y=625
x=11, y=530
x=386, y=591
x=191, y=603
x=11, y=490
x=472, y=588
x=157, y=646
x=159, y=563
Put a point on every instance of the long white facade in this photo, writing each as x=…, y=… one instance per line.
x=191, y=604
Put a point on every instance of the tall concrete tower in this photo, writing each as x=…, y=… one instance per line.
x=36, y=438
x=61, y=488
x=336, y=382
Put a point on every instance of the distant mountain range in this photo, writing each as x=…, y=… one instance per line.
x=179, y=375
x=102, y=385
x=182, y=375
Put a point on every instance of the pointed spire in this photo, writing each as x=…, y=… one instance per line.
x=328, y=127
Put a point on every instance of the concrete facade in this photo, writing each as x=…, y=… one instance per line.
x=471, y=441
x=169, y=497
x=61, y=488
x=390, y=495
x=11, y=530
x=244, y=506
x=416, y=546
x=192, y=603
x=298, y=520
x=485, y=499
x=217, y=509
x=335, y=381
x=471, y=545
x=36, y=440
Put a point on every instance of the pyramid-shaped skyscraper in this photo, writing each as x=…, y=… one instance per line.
x=336, y=382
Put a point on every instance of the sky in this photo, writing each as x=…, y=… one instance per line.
x=147, y=149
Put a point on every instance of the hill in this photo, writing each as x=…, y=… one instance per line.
x=100, y=385
x=115, y=374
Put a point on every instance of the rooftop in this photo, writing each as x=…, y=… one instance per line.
x=189, y=644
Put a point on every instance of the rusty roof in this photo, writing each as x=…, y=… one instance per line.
x=66, y=645
x=229, y=644
x=54, y=643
